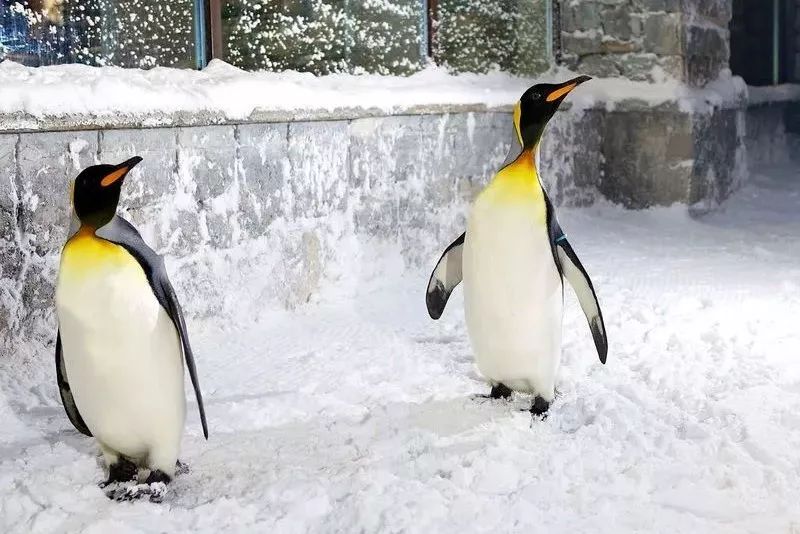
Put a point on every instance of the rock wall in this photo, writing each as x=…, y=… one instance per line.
x=768, y=138
x=665, y=155
x=292, y=203
x=641, y=39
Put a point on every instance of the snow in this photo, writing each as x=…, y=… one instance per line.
x=73, y=89
x=356, y=412
x=220, y=87
x=773, y=93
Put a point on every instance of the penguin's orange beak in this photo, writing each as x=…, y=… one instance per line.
x=120, y=171
x=565, y=88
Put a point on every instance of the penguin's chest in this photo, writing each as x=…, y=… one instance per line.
x=121, y=350
x=512, y=290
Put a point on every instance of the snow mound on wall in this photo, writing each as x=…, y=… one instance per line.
x=66, y=89
x=221, y=88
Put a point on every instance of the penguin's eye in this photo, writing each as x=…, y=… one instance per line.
x=536, y=96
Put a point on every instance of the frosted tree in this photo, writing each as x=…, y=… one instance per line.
x=127, y=33
x=318, y=36
x=481, y=35
x=324, y=36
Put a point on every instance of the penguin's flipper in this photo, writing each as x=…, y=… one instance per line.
x=66, y=393
x=123, y=233
x=572, y=270
x=444, y=278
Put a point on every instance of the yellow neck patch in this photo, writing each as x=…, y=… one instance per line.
x=517, y=184
x=85, y=254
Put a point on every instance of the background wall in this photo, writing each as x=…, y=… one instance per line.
x=289, y=202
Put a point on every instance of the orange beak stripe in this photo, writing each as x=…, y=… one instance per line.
x=114, y=176
x=558, y=93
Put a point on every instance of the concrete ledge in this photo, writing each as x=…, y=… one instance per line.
x=24, y=122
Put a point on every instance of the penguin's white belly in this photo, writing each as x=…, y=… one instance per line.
x=513, y=297
x=122, y=354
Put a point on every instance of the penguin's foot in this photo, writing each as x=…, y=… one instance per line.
x=123, y=470
x=500, y=391
x=157, y=475
x=132, y=492
x=539, y=407
x=181, y=468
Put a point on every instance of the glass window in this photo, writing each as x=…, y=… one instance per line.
x=759, y=29
x=324, y=36
x=318, y=36
x=479, y=35
x=126, y=33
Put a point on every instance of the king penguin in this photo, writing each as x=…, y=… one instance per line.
x=122, y=339
x=513, y=258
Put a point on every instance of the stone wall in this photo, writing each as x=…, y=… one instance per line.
x=768, y=137
x=293, y=203
x=640, y=39
x=664, y=155
x=300, y=202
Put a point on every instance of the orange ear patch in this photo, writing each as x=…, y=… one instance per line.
x=114, y=176
x=558, y=93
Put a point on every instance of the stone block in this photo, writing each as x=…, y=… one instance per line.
x=582, y=16
x=10, y=255
x=717, y=12
x=638, y=67
x=705, y=41
x=571, y=157
x=599, y=65
x=318, y=166
x=152, y=181
x=8, y=187
x=582, y=44
x=384, y=155
x=617, y=23
x=264, y=178
x=658, y=5
x=648, y=158
x=766, y=134
x=636, y=25
x=662, y=34
x=47, y=163
x=673, y=66
x=204, y=181
x=614, y=46
x=719, y=163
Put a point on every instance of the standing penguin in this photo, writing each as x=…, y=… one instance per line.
x=513, y=258
x=122, y=337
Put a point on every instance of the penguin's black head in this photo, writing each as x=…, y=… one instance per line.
x=537, y=106
x=96, y=190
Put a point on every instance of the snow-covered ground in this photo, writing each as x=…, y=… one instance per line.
x=357, y=413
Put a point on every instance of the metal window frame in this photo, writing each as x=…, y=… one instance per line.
x=207, y=31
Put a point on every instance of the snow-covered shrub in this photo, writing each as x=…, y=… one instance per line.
x=480, y=35
x=324, y=36
x=318, y=36
x=126, y=33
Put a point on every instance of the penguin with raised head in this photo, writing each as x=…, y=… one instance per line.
x=122, y=340
x=513, y=258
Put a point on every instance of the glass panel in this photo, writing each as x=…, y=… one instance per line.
x=324, y=36
x=127, y=33
x=480, y=35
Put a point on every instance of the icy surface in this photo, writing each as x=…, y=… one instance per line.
x=357, y=413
